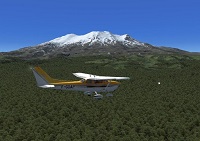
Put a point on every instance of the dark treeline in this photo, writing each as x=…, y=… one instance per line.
x=140, y=109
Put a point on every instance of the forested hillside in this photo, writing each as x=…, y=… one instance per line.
x=139, y=110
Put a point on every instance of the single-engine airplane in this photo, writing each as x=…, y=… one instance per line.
x=88, y=84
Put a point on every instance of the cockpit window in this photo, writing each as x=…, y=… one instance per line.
x=89, y=81
x=95, y=81
x=101, y=81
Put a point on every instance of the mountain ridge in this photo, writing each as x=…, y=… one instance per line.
x=103, y=38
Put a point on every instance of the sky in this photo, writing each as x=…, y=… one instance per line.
x=171, y=23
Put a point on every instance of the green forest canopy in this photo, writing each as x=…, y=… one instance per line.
x=140, y=109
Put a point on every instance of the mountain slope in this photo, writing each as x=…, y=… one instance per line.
x=93, y=43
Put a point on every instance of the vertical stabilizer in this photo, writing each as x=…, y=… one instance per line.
x=42, y=78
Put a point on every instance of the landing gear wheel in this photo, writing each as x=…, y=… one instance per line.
x=98, y=96
x=88, y=93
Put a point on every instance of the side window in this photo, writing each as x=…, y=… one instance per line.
x=101, y=81
x=88, y=81
x=98, y=81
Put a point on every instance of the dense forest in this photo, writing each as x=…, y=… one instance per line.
x=139, y=110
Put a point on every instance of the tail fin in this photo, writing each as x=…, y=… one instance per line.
x=42, y=78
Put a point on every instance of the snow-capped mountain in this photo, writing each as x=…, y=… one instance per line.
x=95, y=37
x=93, y=43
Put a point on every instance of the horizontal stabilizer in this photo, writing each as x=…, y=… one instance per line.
x=47, y=86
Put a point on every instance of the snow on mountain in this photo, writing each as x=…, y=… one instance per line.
x=103, y=38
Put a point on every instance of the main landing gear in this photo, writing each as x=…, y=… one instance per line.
x=97, y=96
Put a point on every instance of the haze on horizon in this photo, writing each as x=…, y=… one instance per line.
x=160, y=23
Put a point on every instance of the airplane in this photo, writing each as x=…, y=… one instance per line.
x=89, y=83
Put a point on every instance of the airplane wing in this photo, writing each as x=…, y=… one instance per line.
x=96, y=77
x=82, y=75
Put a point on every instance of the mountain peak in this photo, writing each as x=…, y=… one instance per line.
x=94, y=37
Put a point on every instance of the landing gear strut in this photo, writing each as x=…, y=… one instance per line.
x=98, y=96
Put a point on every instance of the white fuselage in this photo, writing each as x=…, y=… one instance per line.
x=109, y=88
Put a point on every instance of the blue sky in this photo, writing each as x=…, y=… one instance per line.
x=172, y=23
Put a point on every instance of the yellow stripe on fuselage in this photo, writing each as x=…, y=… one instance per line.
x=65, y=82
